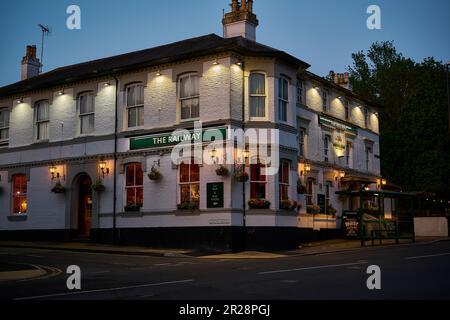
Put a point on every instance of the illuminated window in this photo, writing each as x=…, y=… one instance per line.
x=258, y=182
x=283, y=99
x=134, y=184
x=135, y=105
x=4, y=126
x=86, y=112
x=42, y=120
x=257, y=95
x=19, y=194
x=283, y=179
x=189, y=96
x=189, y=183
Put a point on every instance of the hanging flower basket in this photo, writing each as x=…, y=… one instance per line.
x=222, y=171
x=289, y=205
x=98, y=186
x=259, y=204
x=189, y=205
x=58, y=188
x=154, y=174
x=133, y=207
x=241, y=176
x=331, y=211
x=301, y=189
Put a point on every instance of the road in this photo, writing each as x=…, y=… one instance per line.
x=419, y=271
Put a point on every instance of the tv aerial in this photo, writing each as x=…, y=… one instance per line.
x=46, y=30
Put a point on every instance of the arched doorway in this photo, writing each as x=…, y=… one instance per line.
x=84, y=221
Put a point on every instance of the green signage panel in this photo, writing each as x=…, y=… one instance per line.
x=172, y=139
x=215, y=195
x=338, y=125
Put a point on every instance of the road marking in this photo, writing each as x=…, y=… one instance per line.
x=33, y=256
x=314, y=268
x=103, y=290
x=100, y=272
x=429, y=256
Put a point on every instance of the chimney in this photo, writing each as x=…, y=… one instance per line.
x=343, y=80
x=241, y=21
x=30, y=64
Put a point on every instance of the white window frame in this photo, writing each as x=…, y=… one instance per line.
x=309, y=197
x=325, y=98
x=302, y=142
x=328, y=193
x=190, y=97
x=300, y=93
x=87, y=114
x=283, y=102
x=368, y=160
x=137, y=107
x=38, y=123
x=255, y=95
x=5, y=126
x=326, y=148
x=191, y=183
x=284, y=183
x=262, y=167
x=349, y=154
x=134, y=186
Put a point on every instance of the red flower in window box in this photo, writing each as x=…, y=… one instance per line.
x=289, y=205
x=189, y=205
x=259, y=204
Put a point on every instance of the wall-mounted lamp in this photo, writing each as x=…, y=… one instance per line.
x=307, y=168
x=342, y=174
x=383, y=182
x=158, y=73
x=103, y=168
x=60, y=93
x=216, y=62
x=246, y=154
x=366, y=188
x=53, y=172
x=19, y=101
x=106, y=84
x=239, y=63
x=213, y=153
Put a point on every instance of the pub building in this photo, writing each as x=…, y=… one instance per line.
x=84, y=150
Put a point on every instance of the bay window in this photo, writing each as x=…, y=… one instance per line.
x=283, y=99
x=41, y=120
x=257, y=95
x=134, y=184
x=258, y=182
x=135, y=105
x=189, y=183
x=19, y=194
x=189, y=96
x=86, y=112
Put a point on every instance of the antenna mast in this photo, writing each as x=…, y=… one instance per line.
x=45, y=31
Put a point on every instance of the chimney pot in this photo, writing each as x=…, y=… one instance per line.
x=30, y=64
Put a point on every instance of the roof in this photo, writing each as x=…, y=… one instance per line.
x=190, y=48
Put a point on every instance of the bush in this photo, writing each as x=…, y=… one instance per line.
x=154, y=174
x=133, y=207
x=189, y=205
x=222, y=171
x=58, y=188
x=289, y=205
x=98, y=186
x=259, y=204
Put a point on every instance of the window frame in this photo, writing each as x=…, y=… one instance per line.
x=348, y=154
x=300, y=92
x=5, y=127
x=326, y=148
x=19, y=195
x=38, y=123
x=309, y=191
x=254, y=182
x=191, y=183
x=87, y=114
x=134, y=186
x=325, y=98
x=347, y=113
x=283, y=99
x=257, y=95
x=284, y=182
x=193, y=97
x=368, y=152
x=136, y=107
x=302, y=142
x=328, y=193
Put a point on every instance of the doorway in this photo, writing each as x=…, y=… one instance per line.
x=85, y=207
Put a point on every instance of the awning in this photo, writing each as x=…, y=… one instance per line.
x=358, y=179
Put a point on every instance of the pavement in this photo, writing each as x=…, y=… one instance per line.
x=408, y=271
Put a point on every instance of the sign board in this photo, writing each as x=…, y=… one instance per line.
x=337, y=125
x=351, y=225
x=174, y=138
x=215, y=192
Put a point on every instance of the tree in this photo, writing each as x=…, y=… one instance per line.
x=415, y=144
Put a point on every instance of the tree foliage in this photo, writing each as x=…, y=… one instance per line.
x=414, y=134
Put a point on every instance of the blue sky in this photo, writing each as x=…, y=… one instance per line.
x=323, y=33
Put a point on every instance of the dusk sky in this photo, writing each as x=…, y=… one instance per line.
x=323, y=33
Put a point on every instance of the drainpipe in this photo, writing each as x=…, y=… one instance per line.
x=244, y=216
x=116, y=120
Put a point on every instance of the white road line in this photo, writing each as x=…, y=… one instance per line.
x=103, y=290
x=428, y=256
x=314, y=268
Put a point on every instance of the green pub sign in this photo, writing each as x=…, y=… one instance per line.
x=215, y=195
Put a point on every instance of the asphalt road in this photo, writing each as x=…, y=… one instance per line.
x=419, y=271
